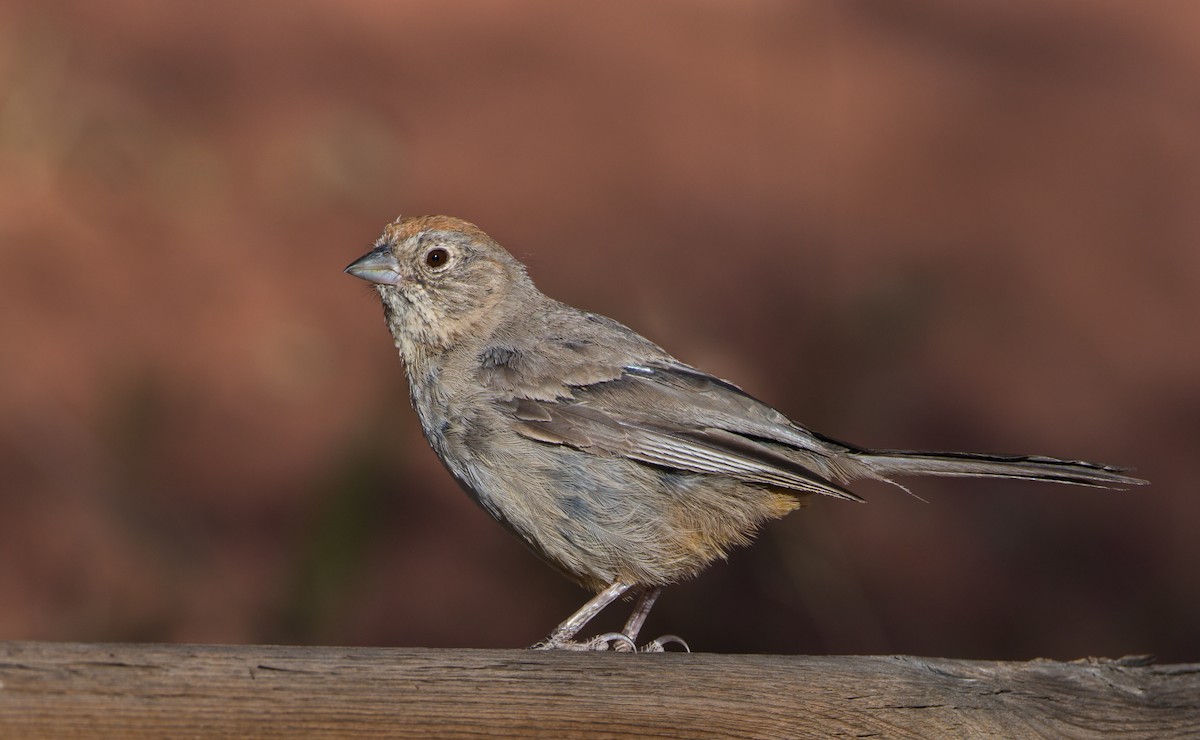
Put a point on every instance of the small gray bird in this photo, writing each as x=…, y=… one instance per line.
x=623, y=467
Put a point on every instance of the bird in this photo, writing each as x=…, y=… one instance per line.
x=624, y=468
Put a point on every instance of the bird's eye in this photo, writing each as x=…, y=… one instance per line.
x=437, y=257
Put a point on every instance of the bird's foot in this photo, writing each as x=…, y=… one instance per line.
x=608, y=641
x=615, y=641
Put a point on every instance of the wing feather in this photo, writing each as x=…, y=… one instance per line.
x=630, y=399
x=712, y=451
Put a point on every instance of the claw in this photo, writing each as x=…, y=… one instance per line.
x=659, y=644
x=621, y=643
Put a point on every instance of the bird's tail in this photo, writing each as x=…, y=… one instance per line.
x=886, y=463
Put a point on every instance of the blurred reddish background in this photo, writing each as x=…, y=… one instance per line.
x=906, y=224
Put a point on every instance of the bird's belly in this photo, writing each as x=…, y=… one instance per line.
x=600, y=518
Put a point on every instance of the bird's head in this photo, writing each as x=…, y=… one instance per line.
x=441, y=279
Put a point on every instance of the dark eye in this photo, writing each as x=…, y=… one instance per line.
x=437, y=257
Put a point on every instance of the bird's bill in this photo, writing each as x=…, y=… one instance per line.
x=378, y=266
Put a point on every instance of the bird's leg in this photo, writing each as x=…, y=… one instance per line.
x=562, y=638
x=641, y=610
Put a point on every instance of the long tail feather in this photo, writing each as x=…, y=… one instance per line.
x=886, y=463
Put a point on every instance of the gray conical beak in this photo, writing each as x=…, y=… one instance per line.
x=378, y=266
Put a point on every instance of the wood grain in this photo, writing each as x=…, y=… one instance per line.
x=134, y=691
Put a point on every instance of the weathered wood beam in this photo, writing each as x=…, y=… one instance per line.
x=133, y=691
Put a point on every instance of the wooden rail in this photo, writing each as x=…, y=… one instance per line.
x=132, y=691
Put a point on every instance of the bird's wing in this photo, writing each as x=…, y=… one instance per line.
x=660, y=413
